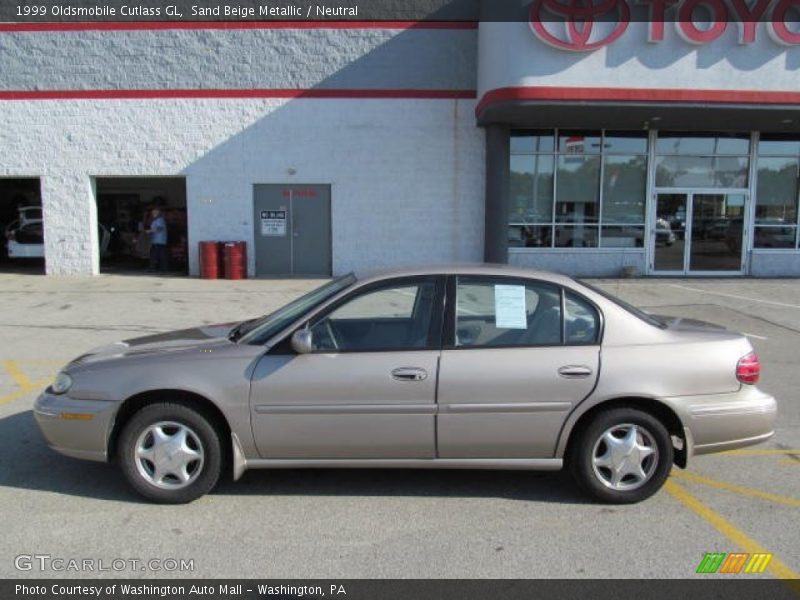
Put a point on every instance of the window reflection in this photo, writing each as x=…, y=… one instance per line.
x=702, y=144
x=531, y=188
x=587, y=189
x=702, y=171
x=556, y=188
x=624, y=189
x=578, y=195
x=776, y=214
x=776, y=190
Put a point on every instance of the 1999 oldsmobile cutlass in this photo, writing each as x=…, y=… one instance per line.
x=456, y=367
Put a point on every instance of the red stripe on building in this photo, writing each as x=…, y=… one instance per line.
x=170, y=25
x=593, y=94
x=235, y=93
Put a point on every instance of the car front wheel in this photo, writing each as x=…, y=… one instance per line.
x=170, y=453
x=623, y=456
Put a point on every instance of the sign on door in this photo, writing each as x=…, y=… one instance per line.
x=273, y=223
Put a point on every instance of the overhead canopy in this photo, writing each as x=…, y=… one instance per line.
x=618, y=114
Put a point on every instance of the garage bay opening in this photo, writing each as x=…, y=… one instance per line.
x=142, y=225
x=22, y=225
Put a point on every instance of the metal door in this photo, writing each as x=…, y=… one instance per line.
x=507, y=383
x=369, y=388
x=344, y=405
x=292, y=230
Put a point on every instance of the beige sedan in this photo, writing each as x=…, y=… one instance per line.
x=444, y=367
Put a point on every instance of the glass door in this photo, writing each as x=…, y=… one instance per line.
x=717, y=228
x=669, y=253
x=698, y=233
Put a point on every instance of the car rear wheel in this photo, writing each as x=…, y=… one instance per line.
x=170, y=453
x=623, y=456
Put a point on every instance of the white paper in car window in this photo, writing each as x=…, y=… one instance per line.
x=509, y=307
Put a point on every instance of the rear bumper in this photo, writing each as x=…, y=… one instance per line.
x=76, y=428
x=16, y=250
x=719, y=422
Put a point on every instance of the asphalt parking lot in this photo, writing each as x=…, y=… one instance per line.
x=352, y=524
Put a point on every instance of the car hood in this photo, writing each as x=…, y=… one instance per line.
x=161, y=343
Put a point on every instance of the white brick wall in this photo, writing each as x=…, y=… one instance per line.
x=406, y=175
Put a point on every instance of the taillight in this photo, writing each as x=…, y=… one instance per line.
x=748, y=368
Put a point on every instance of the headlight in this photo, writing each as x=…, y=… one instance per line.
x=61, y=383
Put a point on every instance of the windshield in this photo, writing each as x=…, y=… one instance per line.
x=636, y=312
x=260, y=330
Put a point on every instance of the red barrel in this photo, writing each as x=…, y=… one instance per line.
x=235, y=258
x=211, y=266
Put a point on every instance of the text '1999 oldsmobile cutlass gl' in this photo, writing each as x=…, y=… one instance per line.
x=441, y=367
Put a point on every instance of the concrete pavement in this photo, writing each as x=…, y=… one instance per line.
x=313, y=523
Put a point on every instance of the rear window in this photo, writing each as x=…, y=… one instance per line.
x=636, y=312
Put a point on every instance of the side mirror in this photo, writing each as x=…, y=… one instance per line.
x=303, y=341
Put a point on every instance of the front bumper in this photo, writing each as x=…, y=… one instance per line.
x=77, y=428
x=719, y=422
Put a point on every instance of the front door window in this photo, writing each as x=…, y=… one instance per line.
x=397, y=317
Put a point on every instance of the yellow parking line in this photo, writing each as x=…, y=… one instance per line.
x=789, y=461
x=17, y=374
x=42, y=361
x=759, y=452
x=726, y=528
x=737, y=489
x=15, y=395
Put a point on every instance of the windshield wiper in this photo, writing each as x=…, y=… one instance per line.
x=238, y=331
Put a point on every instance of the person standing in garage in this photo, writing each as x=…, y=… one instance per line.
x=158, y=242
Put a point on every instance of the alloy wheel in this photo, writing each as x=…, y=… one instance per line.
x=625, y=457
x=169, y=455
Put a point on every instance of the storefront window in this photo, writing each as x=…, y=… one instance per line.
x=578, y=142
x=702, y=144
x=702, y=161
x=624, y=189
x=631, y=236
x=531, y=188
x=578, y=192
x=588, y=192
x=581, y=236
x=778, y=146
x=624, y=143
x=777, y=193
x=702, y=171
x=532, y=142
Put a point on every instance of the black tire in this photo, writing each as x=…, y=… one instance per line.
x=596, y=482
x=203, y=434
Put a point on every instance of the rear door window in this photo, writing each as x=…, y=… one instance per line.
x=581, y=321
x=507, y=312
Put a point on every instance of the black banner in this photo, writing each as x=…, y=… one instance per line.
x=238, y=10
x=575, y=11
x=722, y=588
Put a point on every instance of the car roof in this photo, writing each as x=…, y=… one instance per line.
x=485, y=269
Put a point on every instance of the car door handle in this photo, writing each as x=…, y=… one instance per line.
x=409, y=374
x=574, y=371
